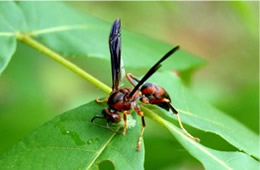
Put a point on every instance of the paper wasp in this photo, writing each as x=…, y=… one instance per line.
x=125, y=99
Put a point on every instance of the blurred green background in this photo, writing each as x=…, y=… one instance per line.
x=34, y=89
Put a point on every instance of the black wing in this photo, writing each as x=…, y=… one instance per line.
x=115, y=52
x=153, y=70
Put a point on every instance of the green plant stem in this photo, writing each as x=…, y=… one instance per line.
x=25, y=38
x=154, y=117
x=57, y=57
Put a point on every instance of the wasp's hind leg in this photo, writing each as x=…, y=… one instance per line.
x=179, y=121
x=131, y=78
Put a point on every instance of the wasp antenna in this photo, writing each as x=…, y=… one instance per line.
x=168, y=54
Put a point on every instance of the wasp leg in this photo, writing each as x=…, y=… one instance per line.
x=139, y=143
x=125, y=121
x=180, y=122
x=185, y=131
x=170, y=105
x=130, y=77
x=140, y=113
x=102, y=101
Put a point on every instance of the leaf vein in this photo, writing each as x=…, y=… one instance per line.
x=5, y=34
x=170, y=127
x=57, y=29
x=208, y=120
x=101, y=150
x=198, y=146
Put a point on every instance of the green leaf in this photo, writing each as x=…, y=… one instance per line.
x=63, y=142
x=70, y=141
x=198, y=114
x=12, y=18
x=210, y=158
x=9, y=23
x=76, y=35
x=8, y=47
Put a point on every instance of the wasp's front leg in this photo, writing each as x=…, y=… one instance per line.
x=102, y=101
x=131, y=78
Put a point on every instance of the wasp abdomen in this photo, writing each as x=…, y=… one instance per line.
x=156, y=95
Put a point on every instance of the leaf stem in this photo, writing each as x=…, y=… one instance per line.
x=58, y=58
x=154, y=117
x=27, y=39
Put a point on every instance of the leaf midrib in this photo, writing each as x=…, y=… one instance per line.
x=198, y=146
x=167, y=125
x=48, y=30
x=100, y=151
x=202, y=118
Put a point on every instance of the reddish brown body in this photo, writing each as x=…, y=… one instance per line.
x=125, y=99
x=119, y=101
x=154, y=94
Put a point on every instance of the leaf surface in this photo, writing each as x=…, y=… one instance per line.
x=70, y=141
x=9, y=22
x=210, y=158
x=76, y=35
x=8, y=47
x=199, y=114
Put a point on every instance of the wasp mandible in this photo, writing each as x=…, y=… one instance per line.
x=123, y=100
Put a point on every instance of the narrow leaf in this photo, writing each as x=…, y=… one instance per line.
x=210, y=158
x=200, y=115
